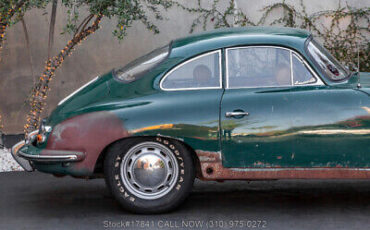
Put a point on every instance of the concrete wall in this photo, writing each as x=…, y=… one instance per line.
x=98, y=54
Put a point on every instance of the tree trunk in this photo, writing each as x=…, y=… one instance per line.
x=40, y=90
x=52, y=26
x=28, y=46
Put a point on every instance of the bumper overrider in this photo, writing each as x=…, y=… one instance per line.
x=25, y=153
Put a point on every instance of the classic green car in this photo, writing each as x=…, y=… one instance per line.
x=243, y=103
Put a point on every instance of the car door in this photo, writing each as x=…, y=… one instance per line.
x=276, y=112
x=255, y=108
x=330, y=125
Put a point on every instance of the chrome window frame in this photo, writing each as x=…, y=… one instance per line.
x=318, y=81
x=190, y=60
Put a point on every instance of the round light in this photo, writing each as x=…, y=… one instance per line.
x=40, y=138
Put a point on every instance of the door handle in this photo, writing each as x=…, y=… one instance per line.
x=236, y=114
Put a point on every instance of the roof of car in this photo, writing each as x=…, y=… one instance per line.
x=229, y=37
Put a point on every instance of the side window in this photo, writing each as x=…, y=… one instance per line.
x=200, y=72
x=301, y=75
x=258, y=67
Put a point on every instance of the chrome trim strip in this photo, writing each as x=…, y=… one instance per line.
x=59, y=158
x=193, y=59
x=17, y=146
x=318, y=79
x=76, y=91
x=31, y=136
x=291, y=68
x=226, y=69
x=25, y=164
x=34, y=132
x=46, y=129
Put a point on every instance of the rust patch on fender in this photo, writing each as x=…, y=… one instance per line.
x=205, y=156
x=89, y=133
x=212, y=169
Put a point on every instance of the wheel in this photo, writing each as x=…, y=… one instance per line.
x=149, y=175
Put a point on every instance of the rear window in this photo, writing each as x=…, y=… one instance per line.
x=135, y=69
x=201, y=72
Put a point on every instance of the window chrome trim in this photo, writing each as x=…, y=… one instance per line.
x=314, y=74
x=317, y=79
x=190, y=60
x=291, y=68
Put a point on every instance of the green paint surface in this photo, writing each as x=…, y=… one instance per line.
x=306, y=126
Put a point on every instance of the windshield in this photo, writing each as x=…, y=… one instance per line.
x=134, y=70
x=327, y=63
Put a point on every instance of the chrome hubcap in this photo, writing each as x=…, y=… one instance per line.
x=149, y=170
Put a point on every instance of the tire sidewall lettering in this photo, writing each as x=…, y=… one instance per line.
x=181, y=167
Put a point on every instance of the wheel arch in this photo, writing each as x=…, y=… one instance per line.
x=98, y=169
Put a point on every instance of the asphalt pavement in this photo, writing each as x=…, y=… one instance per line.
x=41, y=201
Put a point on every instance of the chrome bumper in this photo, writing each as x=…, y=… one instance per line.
x=54, y=156
x=25, y=164
x=51, y=156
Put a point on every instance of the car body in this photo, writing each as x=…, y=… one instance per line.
x=248, y=103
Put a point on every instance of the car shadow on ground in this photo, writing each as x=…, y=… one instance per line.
x=92, y=196
x=36, y=196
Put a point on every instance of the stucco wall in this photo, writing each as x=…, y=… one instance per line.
x=98, y=54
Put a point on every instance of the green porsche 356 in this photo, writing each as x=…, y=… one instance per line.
x=244, y=103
